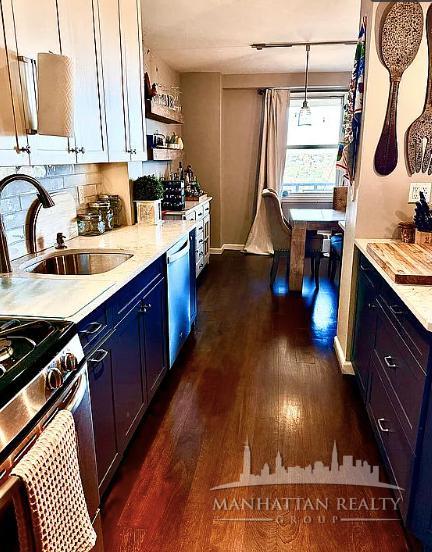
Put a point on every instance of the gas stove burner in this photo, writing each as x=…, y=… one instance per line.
x=6, y=350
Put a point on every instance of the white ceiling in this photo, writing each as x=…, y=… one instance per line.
x=214, y=35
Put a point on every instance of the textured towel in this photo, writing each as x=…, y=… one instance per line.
x=50, y=472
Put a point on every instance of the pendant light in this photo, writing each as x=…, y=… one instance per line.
x=305, y=115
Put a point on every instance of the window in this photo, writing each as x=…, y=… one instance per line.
x=310, y=167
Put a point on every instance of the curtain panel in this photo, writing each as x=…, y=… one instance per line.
x=271, y=165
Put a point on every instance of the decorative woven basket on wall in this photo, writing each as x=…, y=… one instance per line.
x=340, y=194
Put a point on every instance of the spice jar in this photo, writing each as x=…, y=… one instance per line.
x=407, y=231
x=116, y=206
x=90, y=224
x=104, y=209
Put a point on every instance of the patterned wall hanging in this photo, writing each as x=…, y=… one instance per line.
x=348, y=145
x=401, y=32
x=421, y=129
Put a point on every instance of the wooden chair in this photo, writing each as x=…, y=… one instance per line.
x=281, y=232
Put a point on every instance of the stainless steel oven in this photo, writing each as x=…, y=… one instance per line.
x=24, y=418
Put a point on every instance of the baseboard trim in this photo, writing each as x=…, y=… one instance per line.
x=345, y=366
x=234, y=246
x=227, y=247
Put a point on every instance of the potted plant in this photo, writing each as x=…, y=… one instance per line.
x=148, y=193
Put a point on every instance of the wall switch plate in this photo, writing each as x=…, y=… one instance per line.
x=416, y=188
x=81, y=195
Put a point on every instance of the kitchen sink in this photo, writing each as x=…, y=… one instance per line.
x=78, y=262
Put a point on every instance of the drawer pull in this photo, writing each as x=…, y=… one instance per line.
x=397, y=310
x=380, y=425
x=92, y=328
x=371, y=306
x=390, y=362
x=98, y=356
x=145, y=307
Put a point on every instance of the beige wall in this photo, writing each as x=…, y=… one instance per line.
x=202, y=110
x=241, y=117
x=223, y=111
x=293, y=80
x=378, y=203
x=161, y=73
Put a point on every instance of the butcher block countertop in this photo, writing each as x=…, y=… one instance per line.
x=418, y=298
x=74, y=297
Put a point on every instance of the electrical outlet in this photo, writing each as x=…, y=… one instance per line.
x=81, y=195
x=416, y=188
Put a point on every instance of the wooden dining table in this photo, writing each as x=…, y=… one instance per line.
x=302, y=220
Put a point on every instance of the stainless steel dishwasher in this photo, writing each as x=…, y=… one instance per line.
x=179, y=314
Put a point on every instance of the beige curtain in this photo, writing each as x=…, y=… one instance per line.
x=271, y=165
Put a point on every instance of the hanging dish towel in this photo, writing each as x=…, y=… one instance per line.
x=50, y=472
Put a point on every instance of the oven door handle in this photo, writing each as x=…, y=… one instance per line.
x=74, y=398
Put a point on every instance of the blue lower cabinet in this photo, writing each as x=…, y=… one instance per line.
x=130, y=398
x=393, y=364
x=420, y=519
x=154, y=336
x=102, y=401
x=126, y=346
x=365, y=325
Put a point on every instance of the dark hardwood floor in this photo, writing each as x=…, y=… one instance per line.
x=261, y=368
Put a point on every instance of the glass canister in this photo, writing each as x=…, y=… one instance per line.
x=104, y=209
x=116, y=206
x=90, y=224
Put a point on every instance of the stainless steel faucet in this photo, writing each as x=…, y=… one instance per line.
x=46, y=201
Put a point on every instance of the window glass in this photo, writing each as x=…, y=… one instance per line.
x=311, y=150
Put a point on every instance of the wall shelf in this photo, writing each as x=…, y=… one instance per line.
x=163, y=114
x=164, y=154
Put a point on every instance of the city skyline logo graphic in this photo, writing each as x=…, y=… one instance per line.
x=349, y=472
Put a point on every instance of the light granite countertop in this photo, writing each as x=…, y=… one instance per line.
x=74, y=297
x=417, y=298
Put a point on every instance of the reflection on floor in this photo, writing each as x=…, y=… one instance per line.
x=260, y=368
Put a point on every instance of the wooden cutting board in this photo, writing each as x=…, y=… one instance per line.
x=60, y=218
x=405, y=263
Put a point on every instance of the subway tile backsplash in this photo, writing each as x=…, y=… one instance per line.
x=18, y=196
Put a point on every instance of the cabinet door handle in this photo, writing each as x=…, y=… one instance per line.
x=390, y=362
x=145, y=307
x=92, y=328
x=98, y=356
x=25, y=149
x=397, y=310
x=380, y=422
x=371, y=305
x=81, y=150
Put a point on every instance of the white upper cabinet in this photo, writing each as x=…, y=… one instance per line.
x=124, y=82
x=130, y=26
x=13, y=138
x=80, y=32
x=31, y=27
x=115, y=82
x=103, y=38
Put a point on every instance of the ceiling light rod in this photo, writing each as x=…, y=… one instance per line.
x=263, y=45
